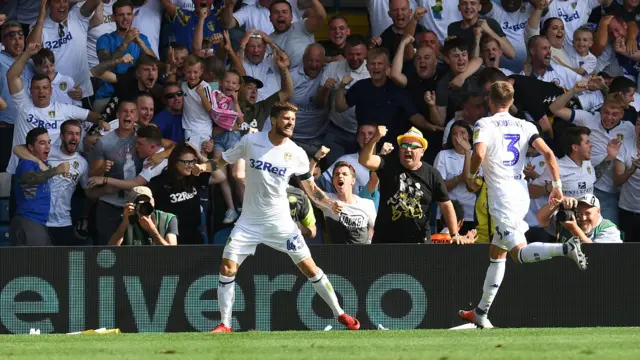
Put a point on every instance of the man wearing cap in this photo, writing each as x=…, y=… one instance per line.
x=408, y=187
x=142, y=224
x=256, y=112
x=588, y=224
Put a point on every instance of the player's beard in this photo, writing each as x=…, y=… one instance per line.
x=280, y=131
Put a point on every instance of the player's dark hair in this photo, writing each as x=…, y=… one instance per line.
x=280, y=2
x=355, y=40
x=120, y=4
x=152, y=133
x=280, y=107
x=340, y=164
x=462, y=124
x=622, y=84
x=122, y=102
x=338, y=17
x=42, y=55
x=9, y=25
x=547, y=24
x=573, y=136
x=32, y=135
x=491, y=75
x=145, y=59
x=39, y=77
x=70, y=122
x=454, y=43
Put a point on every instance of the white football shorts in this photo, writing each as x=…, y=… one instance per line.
x=287, y=239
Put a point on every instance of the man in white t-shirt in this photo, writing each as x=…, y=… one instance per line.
x=148, y=143
x=294, y=37
x=62, y=187
x=354, y=225
x=541, y=68
x=148, y=18
x=258, y=63
x=272, y=159
x=512, y=15
x=439, y=15
x=608, y=132
x=36, y=109
x=64, y=31
x=101, y=23
x=252, y=16
x=500, y=146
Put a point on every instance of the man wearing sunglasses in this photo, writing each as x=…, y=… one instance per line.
x=13, y=42
x=408, y=187
x=169, y=120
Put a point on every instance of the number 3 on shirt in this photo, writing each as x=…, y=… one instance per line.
x=513, y=140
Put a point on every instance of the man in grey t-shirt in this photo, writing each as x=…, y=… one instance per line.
x=114, y=156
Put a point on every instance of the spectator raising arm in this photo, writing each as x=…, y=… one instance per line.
x=316, y=17
x=283, y=63
x=396, y=74
x=368, y=157
x=101, y=71
x=410, y=31
x=228, y=21
x=505, y=45
x=36, y=33
x=559, y=106
x=13, y=74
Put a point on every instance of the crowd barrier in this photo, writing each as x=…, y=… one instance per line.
x=173, y=289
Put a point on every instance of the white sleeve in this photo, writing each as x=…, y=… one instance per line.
x=238, y=151
x=302, y=166
x=22, y=99
x=447, y=130
x=590, y=63
x=440, y=165
x=83, y=179
x=76, y=16
x=481, y=133
x=74, y=112
x=243, y=15
x=581, y=117
x=371, y=211
x=148, y=173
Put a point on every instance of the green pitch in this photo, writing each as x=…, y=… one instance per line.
x=581, y=343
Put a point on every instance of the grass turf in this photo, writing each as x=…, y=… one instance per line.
x=575, y=343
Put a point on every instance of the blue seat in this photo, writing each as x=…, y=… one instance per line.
x=4, y=210
x=4, y=235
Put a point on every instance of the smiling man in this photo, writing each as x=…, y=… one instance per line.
x=62, y=187
x=337, y=31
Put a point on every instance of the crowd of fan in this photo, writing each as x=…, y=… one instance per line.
x=126, y=98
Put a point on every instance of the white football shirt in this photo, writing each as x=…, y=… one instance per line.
x=513, y=25
x=196, y=121
x=28, y=117
x=576, y=180
x=267, y=72
x=94, y=33
x=70, y=49
x=630, y=195
x=61, y=85
x=294, y=41
x=149, y=173
x=574, y=14
x=507, y=139
x=268, y=170
x=451, y=164
x=63, y=187
x=149, y=20
x=439, y=15
x=600, y=139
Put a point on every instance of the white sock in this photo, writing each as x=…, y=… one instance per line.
x=535, y=252
x=492, y=281
x=325, y=290
x=226, y=297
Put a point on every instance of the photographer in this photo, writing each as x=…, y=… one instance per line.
x=579, y=217
x=142, y=224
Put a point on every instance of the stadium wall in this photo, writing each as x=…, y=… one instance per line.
x=168, y=289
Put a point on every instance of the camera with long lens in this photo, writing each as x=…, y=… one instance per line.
x=566, y=215
x=144, y=208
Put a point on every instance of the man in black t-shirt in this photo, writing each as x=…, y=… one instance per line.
x=401, y=14
x=464, y=29
x=142, y=79
x=408, y=188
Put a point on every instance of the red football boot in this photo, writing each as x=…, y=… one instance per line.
x=350, y=322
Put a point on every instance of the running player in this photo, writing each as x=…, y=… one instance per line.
x=272, y=158
x=500, y=144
